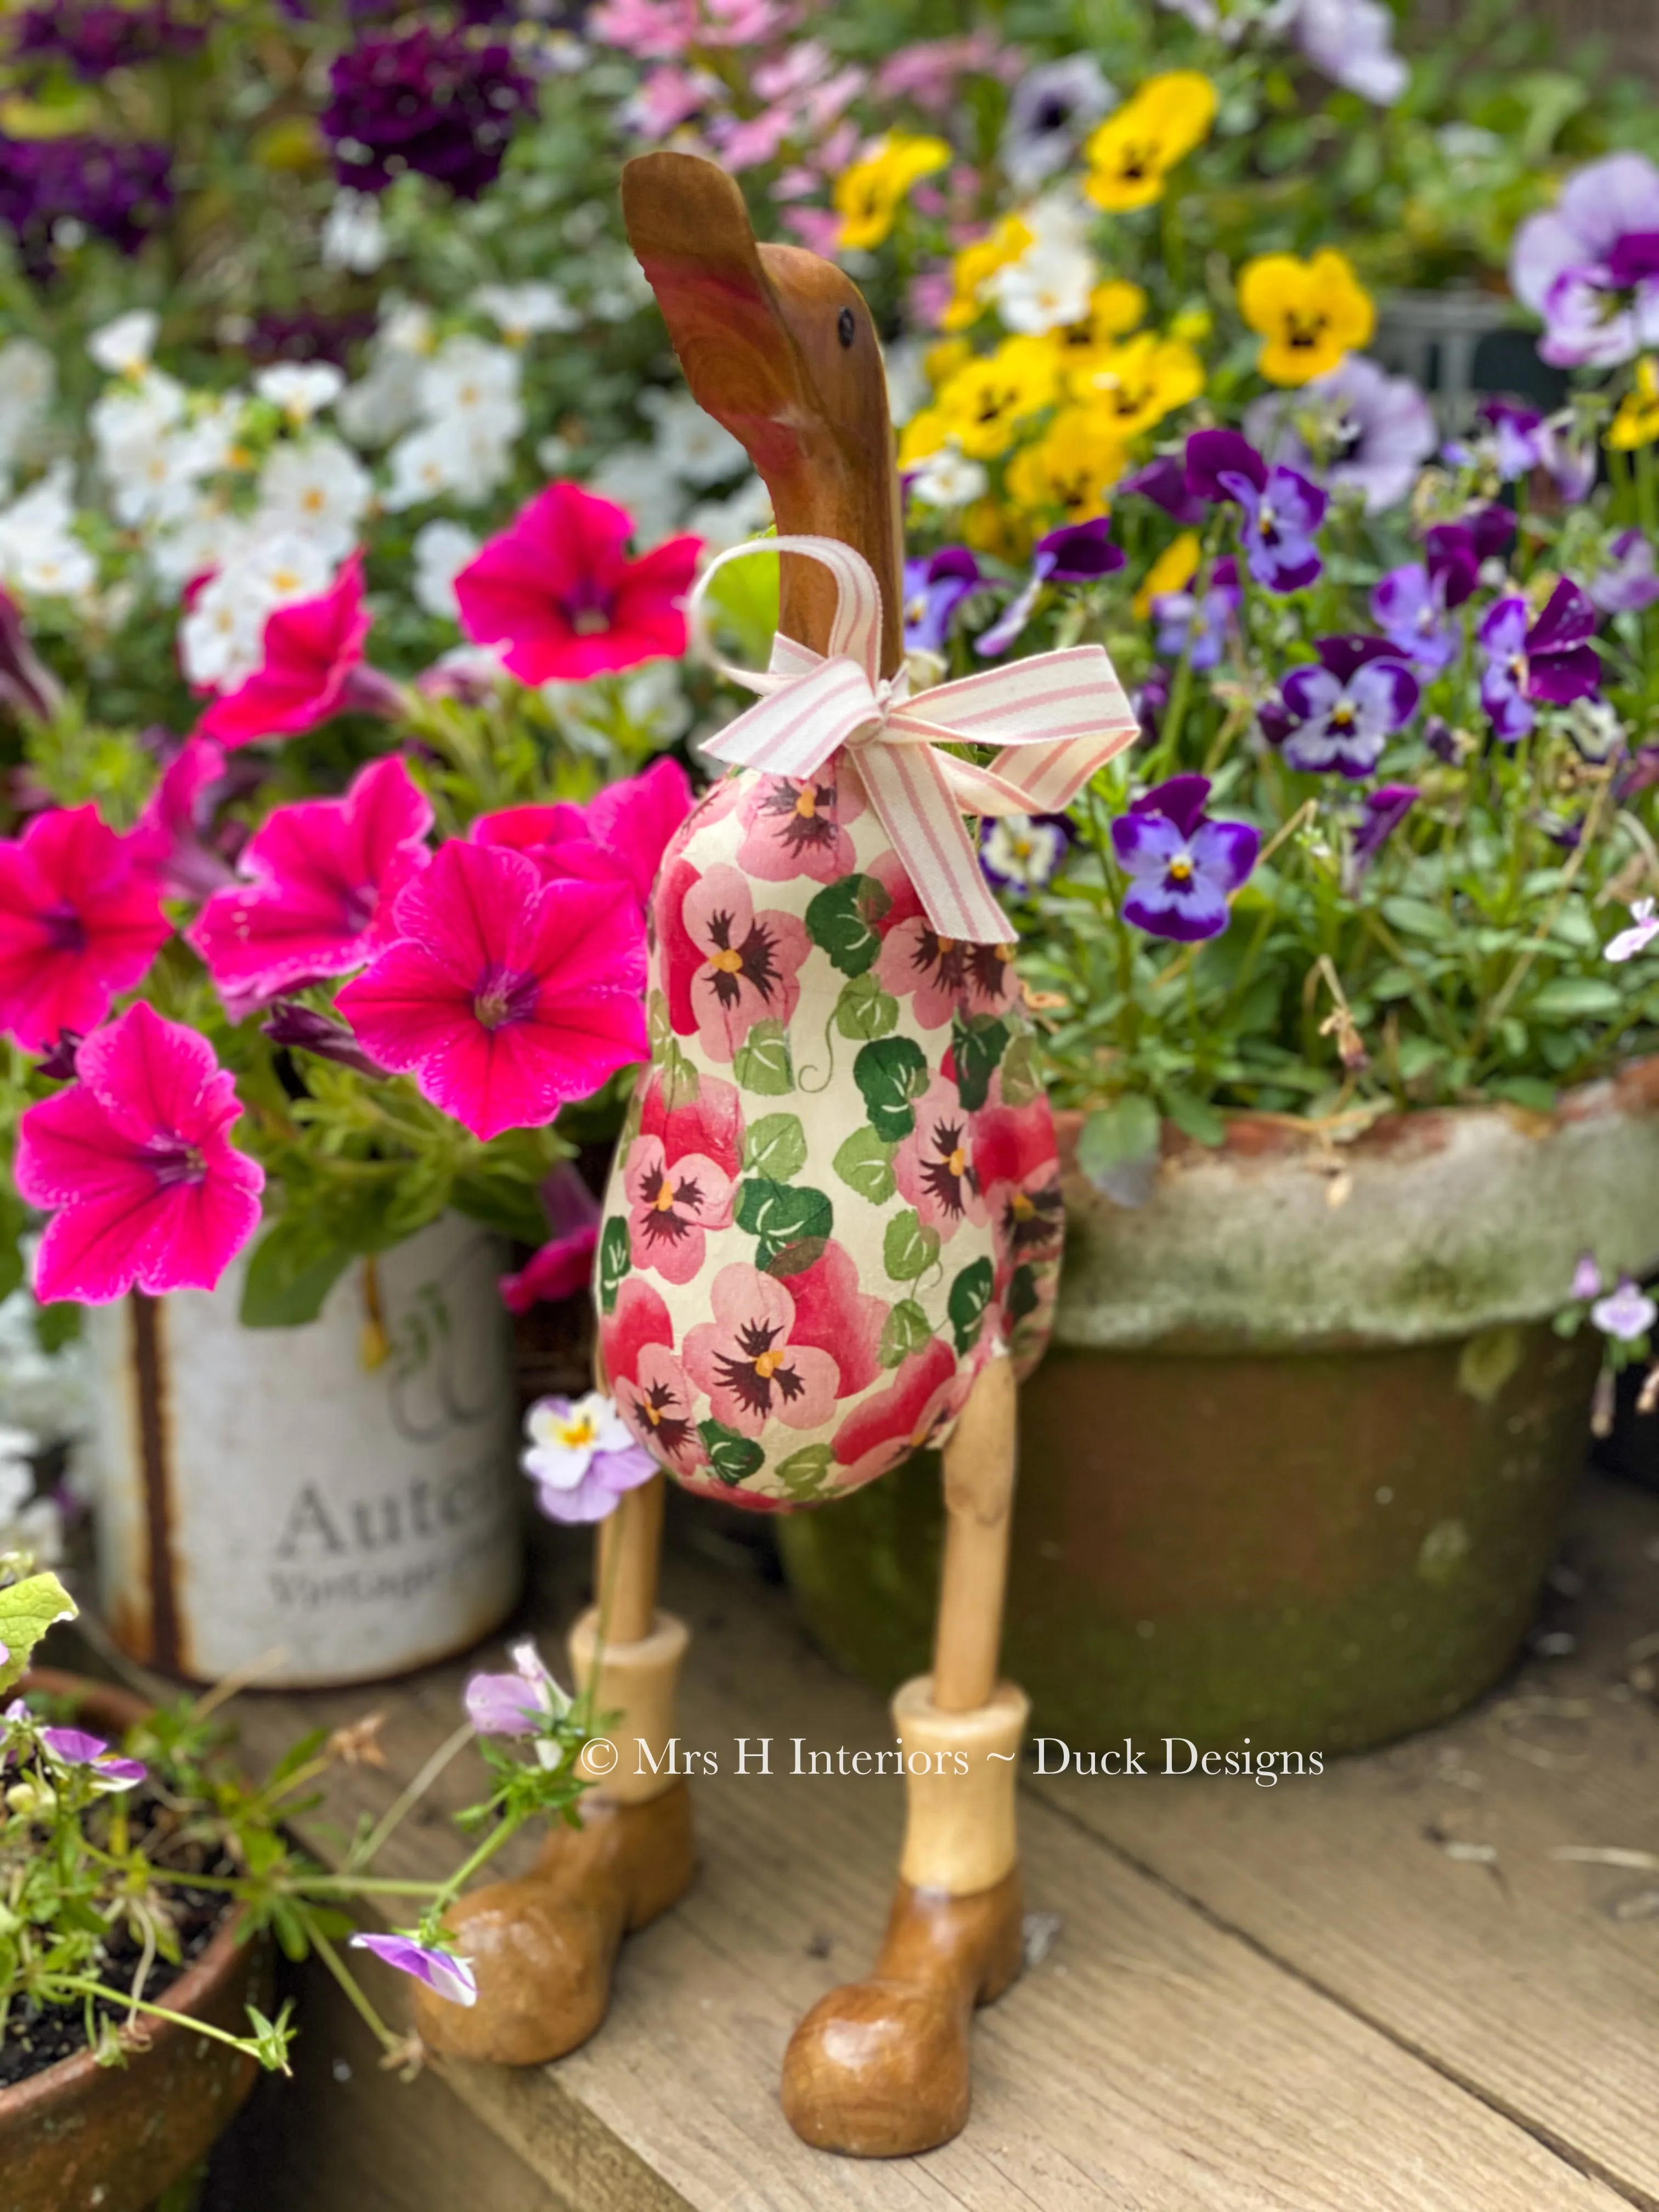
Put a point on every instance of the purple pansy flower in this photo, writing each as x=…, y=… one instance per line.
x=1589, y=265
x=73, y=1747
x=1550, y=660
x=1410, y=604
x=1626, y=582
x=1339, y=716
x=1493, y=527
x=1182, y=616
x=1076, y=553
x=1382, y=812
x=933, y=589
x=1021, y=851
x=1282, y=509
x=444, y=1974
x=1367, y=428
x=1181, y=866
x=1165, y=482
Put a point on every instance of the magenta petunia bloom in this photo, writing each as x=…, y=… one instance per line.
x=564, y=1265
x=618, y=837
x=73, y=1747
x=135, y=1163
x=81, y=920
x=504, y=996
x=170, y=837
x=443, y=1973
x=323, y=875
x=313, y=668
x=750, y=1361
x=1550, y=660
x=1181, y=866
x=556, y=591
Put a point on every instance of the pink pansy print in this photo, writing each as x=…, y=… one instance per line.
x=934, y=1165
x=749, y=1363
x=80, y=921
x=170, y=836
x=928, y=1391
x=797, y=829
x=1019, y=1172
x=505, y=997
x=711, y=1123
x=313, y=668
x=323, y=875
x=557, y=592
x=671, y=1206
x=651, y=1387
x=940, y=976
x=833, y=1314
x=619, y=837
x=137, y=1160
x=747, y=963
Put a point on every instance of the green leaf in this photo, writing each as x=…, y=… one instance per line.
x=970, y=1294
x=909, y=1249
x=890, y=1075
x=677, y=1081
x=908, y=1328
x=55, y=1326
x=840, y=921
x=1117, y=1148
x=28, y=1610
x=782, y=1215
x=733, y=1457
x=805, y=1474
x=978, y=1046
x=658, y=1026
x=865, y=1164
x=1574, y=998
x=864, y=1009
x=763, y=1061
x=1416, y=917
x=291, y=1275
x=775, y=1146
x=615, y=1260
x=1022, y=1080
x=1194, y=1118
x=1530, y=1092
x=1023, y=1297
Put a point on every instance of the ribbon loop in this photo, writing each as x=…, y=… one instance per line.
x=1057, y=718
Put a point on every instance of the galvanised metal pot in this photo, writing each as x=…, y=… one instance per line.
x=332, y=1503
x=82, y=2138
x=1295, y=1466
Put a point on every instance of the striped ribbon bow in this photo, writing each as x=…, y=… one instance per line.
x=1057, y=717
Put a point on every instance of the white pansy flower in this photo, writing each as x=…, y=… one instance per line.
x=526, y=311
x=301, y=388
x=948, y=478
x=319, y=488
x=1046, y=288
x=40, y=554
x=690, y=444
x=441, y=550
x=124, y=347
x=354, y=233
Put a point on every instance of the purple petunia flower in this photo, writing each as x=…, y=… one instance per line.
x=118, y=189
x=1183, y=617
x=1165, y=482
x=1282, y=509
x=444, y=1973
x=933, y=589
x=93, y=37
x=73, y=1747
x=1589, y=265
x=1181, y=866
x=1626, y=583
x=429, y=100
x=1410, y=604
x=1382, y=812
x=1550, y=660
x=1339, y=716
x=1356, y=426
x=301, y=1028
x=1076, y=553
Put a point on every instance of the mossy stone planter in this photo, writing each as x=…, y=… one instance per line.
x=1294, y=1469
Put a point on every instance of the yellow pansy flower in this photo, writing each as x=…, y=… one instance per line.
x=977, y=263
x=986, y=399
x=1637, y=422
x=1071, y=466
x=1115, y=308
x=868, y=195
x=927, y=432
x=991, y=525
x=1312, y=314
x=1193, y=323
x=941, y=362
x=1173, y=570
x=1138, y=382
x=1134, y=150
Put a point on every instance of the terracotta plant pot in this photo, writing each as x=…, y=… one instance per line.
x=1295, y=1467
x=79, y=2137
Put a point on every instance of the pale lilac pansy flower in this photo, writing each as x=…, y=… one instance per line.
x=108, y=1769
x=1589, y=265
x=1624, y=582
x=443, y=1973
x=529, y=1702
x=1340, y=715
x=1357, y=427
x=581, y=1456
x=1644, y=929
x=1627, y=1312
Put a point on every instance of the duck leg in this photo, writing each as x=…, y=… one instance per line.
x=880, y=2069
x=544, y=1948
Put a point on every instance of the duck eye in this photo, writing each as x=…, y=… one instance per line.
x=845, y=327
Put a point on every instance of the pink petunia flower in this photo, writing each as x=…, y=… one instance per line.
x=934, y=1167
x=505, y=997
x=564, y=1265
x=618, y=837
x=654, y=1393
x=928, y=1391
x=137, y=1160
x=729, y=967
x=556, y=591
x=170, y=836
x=322, y=878
x=751, y=1362
x=80, y=921
x=670, y=1207
x=313, y=668
x=799, y=828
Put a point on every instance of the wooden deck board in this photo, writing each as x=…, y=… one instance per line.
x=1284, y=2001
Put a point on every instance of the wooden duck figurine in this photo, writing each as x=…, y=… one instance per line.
x=831, y=1239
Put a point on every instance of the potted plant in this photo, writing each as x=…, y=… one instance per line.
x=1339, y=982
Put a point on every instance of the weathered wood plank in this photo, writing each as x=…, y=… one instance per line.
x=1154, y=2063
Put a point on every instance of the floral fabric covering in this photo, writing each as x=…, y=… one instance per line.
x=837, y=1192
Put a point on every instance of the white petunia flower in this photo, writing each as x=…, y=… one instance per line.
x=469, y=380
x=300, y=389
x=464, y=461
x=221, y=638
x=319, y=488
x=207, y=536
x=354, y=233
x=441, y=550
x=689, y=443
x=526, y=311
x=124, y=347
x=39, y=554
x=29, y=378
x=131, y=414
x=636, y=478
